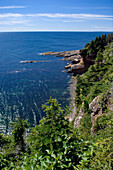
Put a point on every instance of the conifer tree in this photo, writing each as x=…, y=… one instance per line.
x=18, y=133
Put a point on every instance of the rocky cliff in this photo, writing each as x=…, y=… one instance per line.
x=79, y=64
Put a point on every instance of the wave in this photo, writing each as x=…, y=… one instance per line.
x=39, y=53
x=17, y=71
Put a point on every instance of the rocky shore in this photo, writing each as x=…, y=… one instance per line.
x=78, y=64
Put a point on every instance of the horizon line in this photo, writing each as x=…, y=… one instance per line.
x=57, y=31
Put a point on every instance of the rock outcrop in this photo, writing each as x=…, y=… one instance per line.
x=80, y=60
x=33, y=61
x=78, y=66
x=50, y=53
x=78, y=118
x=65, y=54
x=96, y=111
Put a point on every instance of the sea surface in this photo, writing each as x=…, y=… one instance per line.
x=24, y=87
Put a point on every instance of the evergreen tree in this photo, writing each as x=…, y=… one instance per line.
x=19, y=132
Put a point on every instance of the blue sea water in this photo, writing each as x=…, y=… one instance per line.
x=24, y=87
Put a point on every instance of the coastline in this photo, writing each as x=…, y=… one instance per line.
x=72, y=106
x=76, y=66
x=72, y=93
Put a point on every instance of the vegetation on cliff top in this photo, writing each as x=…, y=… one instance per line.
x=55, y=143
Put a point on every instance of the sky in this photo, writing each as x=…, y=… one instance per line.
x=56, y=15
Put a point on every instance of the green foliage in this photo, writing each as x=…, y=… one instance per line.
x=108, y=53
x=93, y=82
x=4, y=140
x=99, y=57
x=95, y=46
x=19, y=132
x=103, y=99
x=110, y=38
x=54, y=138
x=85, y=126
x=97, y=79
x=91, y=48
x=99, y=155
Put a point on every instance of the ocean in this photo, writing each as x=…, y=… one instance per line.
x=24, y=87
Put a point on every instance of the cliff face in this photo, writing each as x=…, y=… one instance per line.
x=96, y=111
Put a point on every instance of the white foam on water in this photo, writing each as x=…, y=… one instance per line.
x=39, y=53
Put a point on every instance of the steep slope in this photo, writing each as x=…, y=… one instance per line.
x=93, y=89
